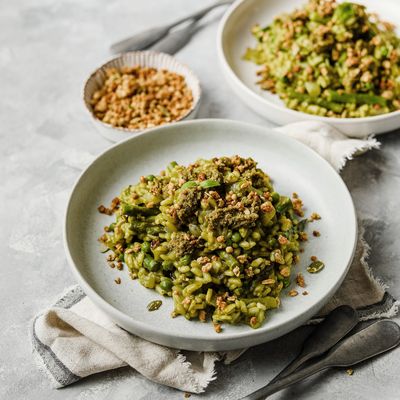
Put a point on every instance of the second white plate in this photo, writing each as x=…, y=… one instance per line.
x=234, y=36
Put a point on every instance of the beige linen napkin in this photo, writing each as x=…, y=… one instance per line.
x=73, y=339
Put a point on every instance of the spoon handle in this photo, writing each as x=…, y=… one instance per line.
x=375, y=339
x=150, y=36
x=288, y=380
x=337, y=324
x=175, y=40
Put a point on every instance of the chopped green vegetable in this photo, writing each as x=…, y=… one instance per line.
x=189, y=184
x=154, y=305
x=315, y=267
x=209, y=183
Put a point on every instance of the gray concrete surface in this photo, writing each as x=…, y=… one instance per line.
x=47, y=49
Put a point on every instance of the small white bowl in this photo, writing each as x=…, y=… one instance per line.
x=144, y=59
x=234, y=36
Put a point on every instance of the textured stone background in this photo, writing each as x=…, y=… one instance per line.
x=47, y=49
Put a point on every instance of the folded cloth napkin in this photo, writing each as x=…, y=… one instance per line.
x=73, y=339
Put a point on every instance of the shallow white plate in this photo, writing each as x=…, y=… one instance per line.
x=292, y=166
x=234, y=37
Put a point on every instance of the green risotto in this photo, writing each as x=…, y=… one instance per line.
x=330, y=59
x=214, y=235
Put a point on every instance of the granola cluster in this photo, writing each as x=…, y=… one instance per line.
x=141, y=97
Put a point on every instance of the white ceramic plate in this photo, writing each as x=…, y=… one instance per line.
x=148, y=58
x=292, y=167
x=234, y=37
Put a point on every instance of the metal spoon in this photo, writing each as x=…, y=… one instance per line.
x=148, y=37
x=176, y=40
x=369, y=342
x=335, y=327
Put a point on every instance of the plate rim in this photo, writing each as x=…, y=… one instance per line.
x=255, y=336
x=257, y=97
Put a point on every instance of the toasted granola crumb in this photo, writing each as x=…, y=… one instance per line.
x=300, y=280
x=202, y=316
x=217, y=328
x=220, y=239
x=133, y=275
x=314, y=258
x=297, y=207
x=111, y=257
x=293, y=293
x=253, y=321
x=186, y=395
x=350, y=371
x=285, y=272
x=303, y=236
x=304, y=293
x=283, y=240
x=104, y=210
x=221, y=304
x=206, y=267
x=111, y=264
x=229, y=249
x=117, y=280
x=114, y=203
x=242, y=258
x=314, y=216
x=316, y=233
x=120, y=266
x=186, y=300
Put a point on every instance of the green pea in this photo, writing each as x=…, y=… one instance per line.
x=150, y=177
x=150, y=264
x=146, y=247
x=275, y=197
x=256, y=236
x=166, y=284
x=236, y=237
x=121, y=257
x=167, y=265
x=112, y=227
x=185, y=260
x=272, y=243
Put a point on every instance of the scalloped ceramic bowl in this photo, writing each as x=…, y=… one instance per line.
x=234, y=37
x=145, y=59
x=292, y=167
